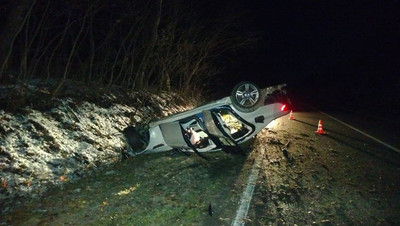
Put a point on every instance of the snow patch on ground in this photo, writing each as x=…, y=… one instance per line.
x=40, y=149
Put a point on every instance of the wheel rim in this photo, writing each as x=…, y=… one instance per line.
x=247, y=95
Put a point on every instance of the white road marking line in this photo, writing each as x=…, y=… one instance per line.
x=247, y=195
x=353, y=128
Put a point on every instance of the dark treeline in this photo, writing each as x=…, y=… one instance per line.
x=158, y=44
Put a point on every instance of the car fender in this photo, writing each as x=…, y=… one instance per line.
x=268, y=112
x=157, y=142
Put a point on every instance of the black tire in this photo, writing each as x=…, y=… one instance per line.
x=246, y=96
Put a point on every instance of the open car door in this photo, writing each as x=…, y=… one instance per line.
x=175, y=137
x=217, y=132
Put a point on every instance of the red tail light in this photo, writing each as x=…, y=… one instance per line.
x=283, y=107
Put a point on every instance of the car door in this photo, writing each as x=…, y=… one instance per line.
x=195, y=133
x=231, y=124
x=226, y=128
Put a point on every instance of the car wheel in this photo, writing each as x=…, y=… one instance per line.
x=245, y=96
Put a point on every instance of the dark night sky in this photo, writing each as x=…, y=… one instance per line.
x=350, y=48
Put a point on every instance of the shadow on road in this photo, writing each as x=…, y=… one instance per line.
x=367, y=151
x=337, y=136
x=343, y=135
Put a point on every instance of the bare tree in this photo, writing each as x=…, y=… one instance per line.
x=189, y=46
x=17, y=17
x=152, y=36
x=165, y=45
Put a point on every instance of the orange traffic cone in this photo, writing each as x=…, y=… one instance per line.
x=291, y=115
x=320, y=130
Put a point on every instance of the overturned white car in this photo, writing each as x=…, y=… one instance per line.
x=220, y=125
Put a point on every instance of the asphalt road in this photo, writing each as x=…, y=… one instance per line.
x=381, y=127
x=341, y=177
